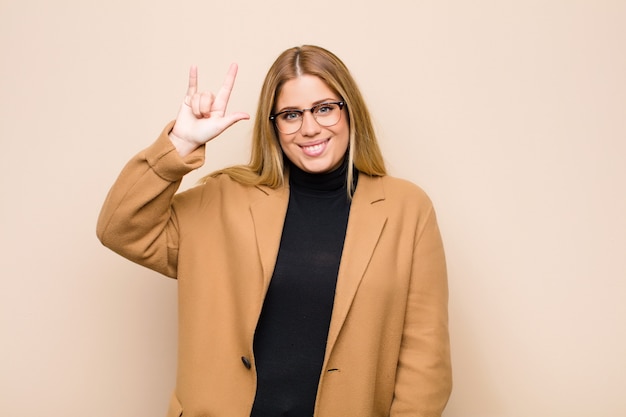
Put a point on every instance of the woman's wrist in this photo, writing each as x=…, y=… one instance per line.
x=183, y=147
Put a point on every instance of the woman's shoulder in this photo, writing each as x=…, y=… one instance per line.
x=395, y=188
x=215, y=188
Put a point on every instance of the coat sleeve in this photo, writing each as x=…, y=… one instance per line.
x=424, y=375
x=137, y=220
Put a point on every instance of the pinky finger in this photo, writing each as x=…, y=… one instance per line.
x=192, y=87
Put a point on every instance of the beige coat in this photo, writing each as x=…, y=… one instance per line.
x=388, y=350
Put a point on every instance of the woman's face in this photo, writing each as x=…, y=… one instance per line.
x=313, y=148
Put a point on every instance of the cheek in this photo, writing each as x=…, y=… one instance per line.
x=285, y=142
x=344, y=133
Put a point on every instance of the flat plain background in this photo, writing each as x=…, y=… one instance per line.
x=511, y=114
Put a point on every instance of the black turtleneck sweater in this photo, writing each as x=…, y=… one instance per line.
x=290, y=338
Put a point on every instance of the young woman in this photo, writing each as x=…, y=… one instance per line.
x=310, y=282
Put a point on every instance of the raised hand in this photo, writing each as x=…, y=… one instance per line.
x=202, y=116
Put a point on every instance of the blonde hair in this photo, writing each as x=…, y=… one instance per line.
x=267, y=166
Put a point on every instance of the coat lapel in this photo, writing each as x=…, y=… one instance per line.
x=365, y=224
x=268, y=215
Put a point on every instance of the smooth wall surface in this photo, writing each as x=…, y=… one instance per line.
x=511, y=114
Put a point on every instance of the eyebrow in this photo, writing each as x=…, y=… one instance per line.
x=315, y=103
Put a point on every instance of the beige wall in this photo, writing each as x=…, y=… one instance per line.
x=512, y=115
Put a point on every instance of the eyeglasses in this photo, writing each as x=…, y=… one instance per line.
x=325, y=114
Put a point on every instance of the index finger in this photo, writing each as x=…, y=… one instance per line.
x=221, y=100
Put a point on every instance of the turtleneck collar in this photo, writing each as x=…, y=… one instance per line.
x=323, y=183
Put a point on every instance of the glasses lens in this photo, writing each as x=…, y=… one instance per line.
x=326, y=114
x=289, y=122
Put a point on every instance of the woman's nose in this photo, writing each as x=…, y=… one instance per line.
x=310, y=127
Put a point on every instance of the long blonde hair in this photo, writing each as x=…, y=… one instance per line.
x=266, y=166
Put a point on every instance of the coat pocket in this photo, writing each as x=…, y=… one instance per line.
x=175, y=409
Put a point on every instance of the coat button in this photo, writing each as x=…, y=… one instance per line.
x=246, y=362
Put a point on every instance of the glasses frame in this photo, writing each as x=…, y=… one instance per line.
x=273, y=117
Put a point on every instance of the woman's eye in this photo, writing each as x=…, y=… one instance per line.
x=325, y=108
x=289, y=116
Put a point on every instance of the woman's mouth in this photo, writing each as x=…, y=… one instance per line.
x=314, y=149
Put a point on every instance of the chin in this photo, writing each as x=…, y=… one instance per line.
x=318, y=168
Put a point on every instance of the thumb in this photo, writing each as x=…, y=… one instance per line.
x=232, y=118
